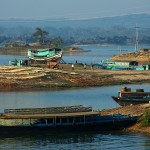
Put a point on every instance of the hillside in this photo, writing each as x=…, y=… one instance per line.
x=108, y=26
x=139, y=56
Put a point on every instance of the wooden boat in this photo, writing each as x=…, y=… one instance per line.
x=127, y=97
x=45, y=55
x=74, y=118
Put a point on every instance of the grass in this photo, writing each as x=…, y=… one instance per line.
x=145, y=120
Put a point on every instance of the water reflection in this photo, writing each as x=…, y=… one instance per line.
x=88, y=140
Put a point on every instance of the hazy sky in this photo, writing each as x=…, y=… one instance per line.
x=75, y=9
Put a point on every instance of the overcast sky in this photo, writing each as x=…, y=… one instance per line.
x=73, y=9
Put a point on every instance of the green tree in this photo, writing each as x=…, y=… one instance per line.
x=40, y=35
x=57, y=42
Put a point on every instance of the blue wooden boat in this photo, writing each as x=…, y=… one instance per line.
x=74, y=118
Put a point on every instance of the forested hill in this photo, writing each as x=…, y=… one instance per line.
x=119, y=29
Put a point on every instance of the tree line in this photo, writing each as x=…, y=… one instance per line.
x=71, y=36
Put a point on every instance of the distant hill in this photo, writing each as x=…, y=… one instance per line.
x=108, y=30
x=143, y=20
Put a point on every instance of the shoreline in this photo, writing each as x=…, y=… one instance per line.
x=137, y=110
x=22, y=51
x=14, y=78
x=142, y=56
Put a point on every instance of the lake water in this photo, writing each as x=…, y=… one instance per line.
x=97, y=97
x=98, y=53
x=94, y=56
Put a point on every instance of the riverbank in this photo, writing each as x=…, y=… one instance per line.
x=137, y=110
x=142, y=56
x=17, y=78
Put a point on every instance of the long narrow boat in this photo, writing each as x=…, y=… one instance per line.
x=78, y=118
x=127, y=97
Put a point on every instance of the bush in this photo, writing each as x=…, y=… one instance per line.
x=145, y=120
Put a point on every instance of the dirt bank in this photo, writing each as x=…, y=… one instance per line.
x=137, y=110
x=40, y=77
x=143, y=57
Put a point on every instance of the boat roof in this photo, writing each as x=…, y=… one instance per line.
x=42, y=116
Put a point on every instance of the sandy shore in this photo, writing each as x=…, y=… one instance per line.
x=12, y=77
x=142, y=57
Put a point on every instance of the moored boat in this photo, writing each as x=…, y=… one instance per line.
x=122, y=65
x=78, y=118
x=128, y=97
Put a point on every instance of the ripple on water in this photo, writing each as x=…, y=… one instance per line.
x=81, y=141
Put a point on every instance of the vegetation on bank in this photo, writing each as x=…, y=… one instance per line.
x=145, y=119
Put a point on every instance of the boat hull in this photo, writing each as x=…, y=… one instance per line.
x=101, y=126
x=45, y=55
x=130, y=101
x=52, y=58
x=61, y=119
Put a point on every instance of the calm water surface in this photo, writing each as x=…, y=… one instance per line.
x=98, y=98
x=78, y=141
x=95, y=54
x=98, y=53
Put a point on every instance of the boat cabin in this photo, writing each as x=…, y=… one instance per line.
x=139, y=93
